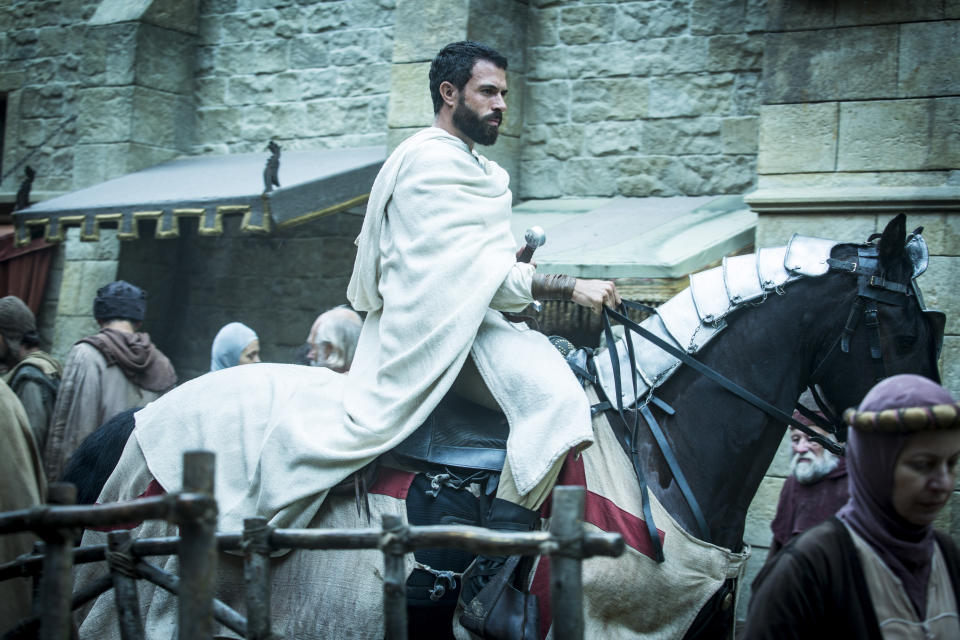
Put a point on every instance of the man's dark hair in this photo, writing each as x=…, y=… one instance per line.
x=454, y=64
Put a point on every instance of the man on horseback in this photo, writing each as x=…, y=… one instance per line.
x=435, y=269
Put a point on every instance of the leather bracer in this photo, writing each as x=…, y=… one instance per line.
x=552, y=286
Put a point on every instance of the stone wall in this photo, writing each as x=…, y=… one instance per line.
x=40, y=53
x=309, y=74
x=641, y=98
x=276, y=285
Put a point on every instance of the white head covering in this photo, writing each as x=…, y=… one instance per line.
x=230, y=342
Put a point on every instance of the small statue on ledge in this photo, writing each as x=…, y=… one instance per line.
x=270, y=178
x=23, y=193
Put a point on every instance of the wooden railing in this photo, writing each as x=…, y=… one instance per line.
x=194, y=510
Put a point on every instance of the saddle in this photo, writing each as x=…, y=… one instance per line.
x=458, y=435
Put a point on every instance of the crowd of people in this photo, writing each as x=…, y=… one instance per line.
x=47, y=408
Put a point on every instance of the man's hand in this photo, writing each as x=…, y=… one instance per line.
x=596, y=294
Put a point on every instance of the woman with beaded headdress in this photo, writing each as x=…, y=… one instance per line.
x=878, y=569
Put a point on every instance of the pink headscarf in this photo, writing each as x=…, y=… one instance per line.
x=907, y=549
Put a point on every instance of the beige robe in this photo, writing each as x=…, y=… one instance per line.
x=436, y=265
x=90, y=394
x=22, y=486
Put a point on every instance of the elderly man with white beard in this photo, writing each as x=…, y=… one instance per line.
x=815, y=489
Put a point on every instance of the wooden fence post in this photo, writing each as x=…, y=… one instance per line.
x=566, y=576
x=256, y=575
x=198, y=548
x=394, y=578
x=56, y=584
x=122, y=571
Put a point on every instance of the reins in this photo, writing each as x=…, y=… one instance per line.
x=872, y=287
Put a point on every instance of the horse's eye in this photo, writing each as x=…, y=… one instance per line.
x=905, y=343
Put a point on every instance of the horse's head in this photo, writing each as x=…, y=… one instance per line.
x=884, y=327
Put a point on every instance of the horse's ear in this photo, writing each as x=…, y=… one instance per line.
x=893, y=239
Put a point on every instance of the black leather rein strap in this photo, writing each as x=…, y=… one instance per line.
x=724, y=382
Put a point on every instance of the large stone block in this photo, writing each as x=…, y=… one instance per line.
x=666, y=56
x=682, y=135
x=363, y=80
x=798, y=138
x=410, y=103
x=352, y=47
x=762, y=509
x=95, y=163
x=616, y=138
x=945, y=134
x=502, y=24
x=541, y=179
x=162, y=119
x=583, y=25
x=928, y=58
x=648, y=176
x=717, y=16
x=950, y=364
x=657, y=19
x=740, y=135
x=368, y=14
x=590, y=177
x=776, y=229
x=270, y=56
x=807, y=66
x=887, y=11
x=612, y=99
x=790, y=15
x=542, y=27
x=210, y=91
x=691, y=95
x=939, y=289
x=216, y=124
x=885, y=135
x=940, y=230
x=107, y=248
x=318, y=83
x=164, y=60
x=547, y=102
x=735, y=53
x=81, y=279
x=517, y=93
x=110, y=54
x=506, y=153
x=255, y=25
x=423, y=28
x=560, y=141
x=106, y=114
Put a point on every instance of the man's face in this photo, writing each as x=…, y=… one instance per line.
x=810, y=461
x=479, y=111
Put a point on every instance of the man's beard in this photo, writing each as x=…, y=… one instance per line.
x=473, y=126
x=820, y=467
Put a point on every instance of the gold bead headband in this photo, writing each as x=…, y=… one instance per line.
x=936, y=417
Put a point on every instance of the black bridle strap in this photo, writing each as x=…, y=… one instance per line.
x=716, y=377
x=629, y=443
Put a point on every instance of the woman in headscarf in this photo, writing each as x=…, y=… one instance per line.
x=236, y=343
x=878, y=569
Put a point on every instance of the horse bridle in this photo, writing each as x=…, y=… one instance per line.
x=872, y=287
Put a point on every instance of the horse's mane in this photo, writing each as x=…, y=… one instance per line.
x=691, y=319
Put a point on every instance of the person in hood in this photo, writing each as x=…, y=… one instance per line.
x=878, y=569
x=115, y=369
